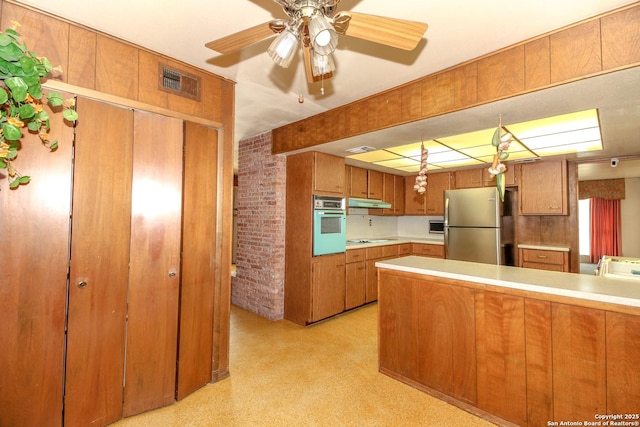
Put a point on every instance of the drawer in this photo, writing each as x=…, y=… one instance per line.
x=542, y=256
x=390, y=251
x=356, y=255
x=436, y=251
x=543, y=266
x=404, y=249
x=375, y=252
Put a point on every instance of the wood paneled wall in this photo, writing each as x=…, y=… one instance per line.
x=596, y=46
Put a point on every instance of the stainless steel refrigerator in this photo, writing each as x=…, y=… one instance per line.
x=473, y=226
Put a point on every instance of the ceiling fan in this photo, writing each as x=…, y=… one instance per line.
x=316, y=25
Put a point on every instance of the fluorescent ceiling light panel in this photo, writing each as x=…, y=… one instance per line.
x=569, y=133
x=398, y=163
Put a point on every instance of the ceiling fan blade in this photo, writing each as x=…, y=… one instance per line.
x=241, y=39
x=306, y=53
x=392, y=32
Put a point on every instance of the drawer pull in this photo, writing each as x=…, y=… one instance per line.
x=542, y=256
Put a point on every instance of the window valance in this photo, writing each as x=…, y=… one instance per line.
x=611, y=189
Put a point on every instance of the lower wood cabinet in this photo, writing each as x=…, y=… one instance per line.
x=356, y=278
x=551, y=260
x=428, y=250
x=327, y=286
x=525, y=360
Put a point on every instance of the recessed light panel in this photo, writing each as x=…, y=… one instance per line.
x=569, y=133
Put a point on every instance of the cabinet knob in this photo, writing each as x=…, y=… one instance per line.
x=172, y=274
x=82, y=284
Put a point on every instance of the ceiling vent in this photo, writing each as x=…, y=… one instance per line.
x=178, y=82
x=359, y=150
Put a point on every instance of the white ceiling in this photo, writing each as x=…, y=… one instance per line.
x=267, y=95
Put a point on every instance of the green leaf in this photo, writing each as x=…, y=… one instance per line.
x=11, y=52
x=42, y=116
x=4, y=97
x=27, y=64
x=24, y=179
x=3, y=164
x=47, y=65
x=13, y=33
x=495, y=141
x=500, y=181
x=5, y=39
x=26, y=111
x=36, y=91
x=70, y=115
x=11, y=132
x=504, y=155
x=55, y=99
x=34, y=125
x=14, y=184
x=54, y=145
x=18, y=88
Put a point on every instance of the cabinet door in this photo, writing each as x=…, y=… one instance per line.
x=328, y=286
x=502, y=381
x=447, y=344
x=437, y=183
x=99, y=274
x=374, y=184
x=358, y=185
x=579, y=364
x=33, y=280
x=414, y=202
x=398, y=195
x=543, y=188
x=398, y=349
x=623, y=387
x=154, y=275
x=329, y=174
x=198, y=272
x=469, y=178
x=356, y=282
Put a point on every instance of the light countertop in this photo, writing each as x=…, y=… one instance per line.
x=595, y=288
x=396, y=241
x=544, y=247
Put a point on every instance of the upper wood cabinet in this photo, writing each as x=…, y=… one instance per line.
x=543, y=188
x=469, y=178
x=437, y=183
x=414, y=202
x=328, y=174
x=392, y=193
x=374, y=184
x=358, y=182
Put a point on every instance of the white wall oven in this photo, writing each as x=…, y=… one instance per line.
x=329, y=225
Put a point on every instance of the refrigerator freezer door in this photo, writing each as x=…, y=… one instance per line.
x=472, y=207
x=473, y=244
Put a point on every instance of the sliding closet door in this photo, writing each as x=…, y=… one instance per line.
x=101, y=225
x=34, y=237
x=154, y=277
x=198, y=266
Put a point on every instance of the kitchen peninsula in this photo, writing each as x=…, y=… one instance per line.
x=513, y=345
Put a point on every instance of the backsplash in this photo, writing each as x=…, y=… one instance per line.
x=361, y=225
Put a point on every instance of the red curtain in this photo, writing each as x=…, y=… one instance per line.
x=606, y=231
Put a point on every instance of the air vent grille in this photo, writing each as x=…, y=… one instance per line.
x=363, y=149
x=178, y=82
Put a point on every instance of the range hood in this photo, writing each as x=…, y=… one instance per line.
x=355, y=202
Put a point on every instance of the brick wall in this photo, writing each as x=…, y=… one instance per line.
x=260, y=218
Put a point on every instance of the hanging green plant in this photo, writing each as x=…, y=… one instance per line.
x=21, y=73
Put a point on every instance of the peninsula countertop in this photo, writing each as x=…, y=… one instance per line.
x=582, y=286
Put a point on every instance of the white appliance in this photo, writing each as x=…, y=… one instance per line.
x=619, y=267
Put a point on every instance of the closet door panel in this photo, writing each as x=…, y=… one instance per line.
x=198, y=266
x=33, y=280
x=101, y=225
x=154, y=276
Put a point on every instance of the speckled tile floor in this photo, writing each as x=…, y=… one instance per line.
x=283, y=374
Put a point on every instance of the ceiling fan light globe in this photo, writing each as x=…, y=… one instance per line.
x=283, y=48
x=322, y=64
x=324, y=37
